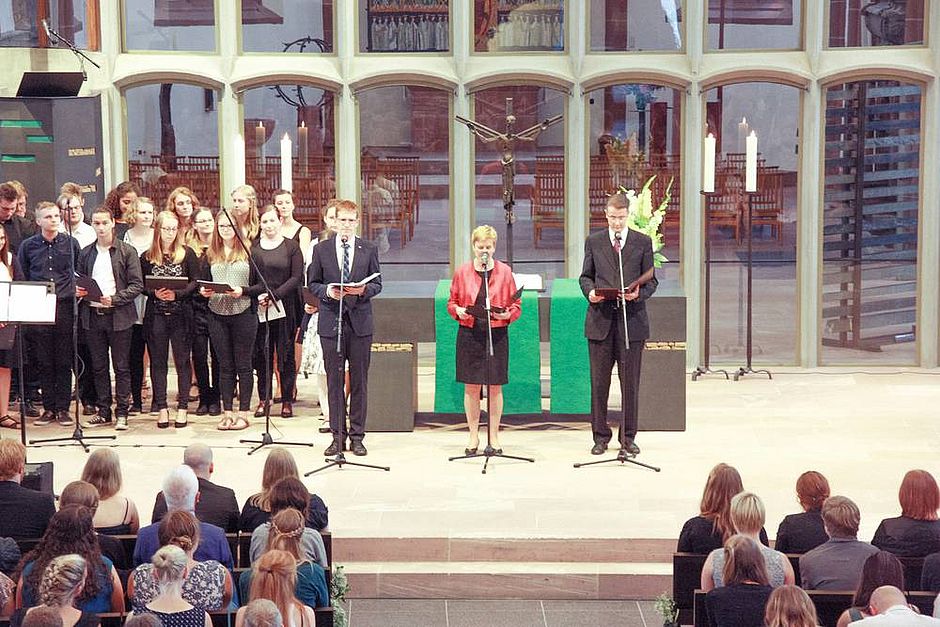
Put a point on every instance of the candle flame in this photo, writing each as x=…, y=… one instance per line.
x=744, y=121
x=711, y=136
x=303, y=124
x=753, y=134
x=260, y=124
x=286, y=136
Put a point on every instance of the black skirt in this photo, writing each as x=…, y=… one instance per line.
x=471, y=355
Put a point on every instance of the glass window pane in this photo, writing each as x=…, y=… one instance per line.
x=169, y=25
x=628, y=25
x=518, y=25
x=539, y=181
x=754, y=24
x=77, y=21
x=404, y=139
x=287, y=26
x=172, y=141
x=635, y=135
x=306, y=115
x=858, y=23
x=404, y=25
x=771, y=111
x=870, y=216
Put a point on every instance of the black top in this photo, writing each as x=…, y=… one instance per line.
x=39, y=259
x=283, y=268
x=737, y=605
x=188, y=268
x=24, y=513
x=906, y=537
x=216, y=505
x=698, y=536
x=801, y=533
x=114, y=551
x=930, y=575
x=87, y=619
x=253, y=516
x=18, y=229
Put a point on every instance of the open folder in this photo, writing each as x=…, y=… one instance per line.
x=478, y=312
x=613, y=293
x=356, y=283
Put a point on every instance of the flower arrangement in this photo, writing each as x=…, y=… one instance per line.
x=666, y=608
x=339, y=586
x=643, y=218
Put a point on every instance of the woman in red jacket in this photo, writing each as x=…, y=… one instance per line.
x=467, y=293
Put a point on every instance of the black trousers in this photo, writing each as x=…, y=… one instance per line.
x=234, y=338
x=136, y=362
x=281, y=339
x=165, y=332
x=358, y=352
x=52, y=354
x=203, y=351
x=603, y=354
x=102, y=340
x=86, y=377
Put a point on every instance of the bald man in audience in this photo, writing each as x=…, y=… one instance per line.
x=262, y=613
x=837, y=563
x=889, y=607
x=217, y=504
x=24, y=513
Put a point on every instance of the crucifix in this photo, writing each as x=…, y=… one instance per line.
x=506, y=142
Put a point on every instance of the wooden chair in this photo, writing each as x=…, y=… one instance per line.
x=600, y=187
x=725, y=207
x=548, y=196
x=768, y=201
x=383, y=207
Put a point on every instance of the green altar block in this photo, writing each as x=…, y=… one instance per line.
x=571, y=380
x=522, y=395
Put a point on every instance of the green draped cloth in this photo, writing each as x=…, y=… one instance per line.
x=571, y=374
x=522, y=395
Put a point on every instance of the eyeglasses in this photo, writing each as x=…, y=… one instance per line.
x=226, y=226
x=205, y=221
x=169, y=229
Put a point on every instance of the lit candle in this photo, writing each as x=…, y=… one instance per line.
x=259, y=142
x=750, y=170
x=238, y=159
x=743, y=130
x=286, y=163
x=302, y=147
x=708, y=181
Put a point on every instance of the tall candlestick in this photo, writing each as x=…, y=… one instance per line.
x=302, y=147
x=708, y=179
x=750, y=170
x=286, y=163
x=259, y=143
x=743, y=129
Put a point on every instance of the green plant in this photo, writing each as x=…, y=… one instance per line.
x=667, y=609
x=643, y=218
x=339, y=586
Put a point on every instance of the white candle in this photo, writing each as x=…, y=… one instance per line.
x=259, y=143
x=287, y=162
x=743, y=129
x=750, y=170
x=708, y=180
x=238, y=160
x=302, y=146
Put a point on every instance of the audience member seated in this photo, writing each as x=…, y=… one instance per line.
x=741, y=601
x=916, y=532
x=143, y=620
x=116, y=514
x=24, y=513
x=45, y=616
x=799, y=533
x=881, y=569
x=289, y=493
x=71, y=531
x=287, y=527
x=747, y=516
x=889, y=607
x=61, y=584
x=709, y=530
x=9, y=556
x=930, y=573
x=790, y=606
x=217, y=504
x=262, y=613
x=206, y=585
x=169, y=571
x=181, y=490
x=84, y=494
x=278, y=465
x=274, y=578
x=7, y=598
x=837, y=564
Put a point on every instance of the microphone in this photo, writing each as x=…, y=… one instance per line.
x=49, y=35
x=344, y=239
x=485, y=257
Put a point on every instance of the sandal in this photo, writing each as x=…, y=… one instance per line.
x=9, y=422
x=226, y=423
x=239, y=424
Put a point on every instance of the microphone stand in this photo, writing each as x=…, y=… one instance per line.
x=266, y=439
x=78, y=435
x=340, y=459
x=488, y=452
x=82, y=57
x=622, y=455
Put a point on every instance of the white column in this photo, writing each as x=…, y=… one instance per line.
x=230, y=134
x=692, y=221
x=928, y=240
x=809, y=230
x=577, y=158
x=346, y=43
x=463, y=214
x=113, y=120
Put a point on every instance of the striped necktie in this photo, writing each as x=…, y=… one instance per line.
x=346, y=263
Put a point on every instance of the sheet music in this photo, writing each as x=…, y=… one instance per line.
x=27, y=302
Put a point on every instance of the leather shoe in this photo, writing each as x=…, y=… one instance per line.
x=333, y=449
x=260, y=411
x=598, y=448
x=630, y=447
x=358, y=448
x=287, y=410
x=202, y=410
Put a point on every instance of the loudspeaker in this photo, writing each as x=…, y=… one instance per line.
x=38, y=477
x=393, y=387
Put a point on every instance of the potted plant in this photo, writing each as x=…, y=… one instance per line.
x=667, y=609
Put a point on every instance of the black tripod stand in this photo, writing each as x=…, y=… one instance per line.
x=488, y=452
x=339, y=460
x=704, y=368
x=749, y=349
x=623, y=456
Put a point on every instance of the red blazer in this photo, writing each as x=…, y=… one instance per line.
x=467, y=284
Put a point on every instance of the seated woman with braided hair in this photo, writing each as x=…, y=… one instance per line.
x=71, y=531
x=170, y=566
x=274, y=577
x=206, y=585
x=287, y=528
x=61, y=583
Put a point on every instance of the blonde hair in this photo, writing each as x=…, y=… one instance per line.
x=130, y=216
x=169, y=566
x=747, y=512
x=287, y=529
x=176, y=251
x=217, y=252
x=103, y=470
x=251, y=226
x=483, y=233
x=274, y=577
x=12, y=458
x=790, y=606
x=61, y=580
x=279, y=464
x=194, y=242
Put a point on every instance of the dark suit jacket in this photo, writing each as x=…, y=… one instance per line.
x=324, y=269
x=600, y=270
x=24, y=513
x=217, y=506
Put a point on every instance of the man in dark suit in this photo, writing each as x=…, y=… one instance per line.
x=345, y=256
x=603, y=325
x=216, y=504
x=24, y=513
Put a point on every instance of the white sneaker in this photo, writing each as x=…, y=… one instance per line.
x=121, y=424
